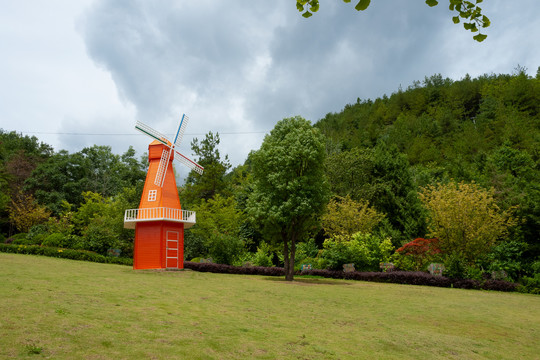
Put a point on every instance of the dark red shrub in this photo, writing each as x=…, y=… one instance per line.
x=421, y=247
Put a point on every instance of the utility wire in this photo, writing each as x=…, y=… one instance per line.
x=126, y=134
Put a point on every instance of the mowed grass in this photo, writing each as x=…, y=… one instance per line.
x=63, y=309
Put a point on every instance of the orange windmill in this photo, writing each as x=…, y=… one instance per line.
x=159, y=222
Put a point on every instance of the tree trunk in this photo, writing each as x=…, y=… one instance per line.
x=286, y=258
x=290, y=274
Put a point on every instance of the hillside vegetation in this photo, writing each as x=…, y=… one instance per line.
x=445, y=171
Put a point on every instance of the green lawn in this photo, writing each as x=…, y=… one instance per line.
x=64, y=309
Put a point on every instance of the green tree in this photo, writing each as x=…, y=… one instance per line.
x=217, y=232
x=514, y=175
x=345, y=217
x=205, y=187
x=290, y=190
x=99, y=221
x=19, y=156
x=463, y=10
x=465, y=218
x=65, y=176
x=25, y=212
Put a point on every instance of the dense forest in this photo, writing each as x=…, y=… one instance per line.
x=392, y=167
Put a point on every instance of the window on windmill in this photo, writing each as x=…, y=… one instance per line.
x=152, y=195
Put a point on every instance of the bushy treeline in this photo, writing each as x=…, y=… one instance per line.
x=410, y=178
x=67, y=200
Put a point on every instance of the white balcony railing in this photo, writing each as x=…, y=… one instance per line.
x=133, y=216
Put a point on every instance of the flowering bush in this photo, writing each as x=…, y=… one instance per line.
x=418, y=254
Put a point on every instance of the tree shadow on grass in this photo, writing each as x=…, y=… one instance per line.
x=308, y=281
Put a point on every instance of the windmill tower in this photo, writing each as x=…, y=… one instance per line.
x=159, y=222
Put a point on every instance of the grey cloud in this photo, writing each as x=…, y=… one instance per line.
x=242, y=66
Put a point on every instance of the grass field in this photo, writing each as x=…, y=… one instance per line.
x=64, y=309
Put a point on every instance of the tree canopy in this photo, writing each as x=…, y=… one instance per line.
x=289, y=190
x=467, y=11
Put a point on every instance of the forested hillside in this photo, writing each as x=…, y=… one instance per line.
x=454, y=160
x=484, y=130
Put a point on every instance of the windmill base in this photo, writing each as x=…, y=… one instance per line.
x=158, y=245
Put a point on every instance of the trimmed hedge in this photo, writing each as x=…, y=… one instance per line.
x=83, y=255
x=394, y=277
x=230, y=269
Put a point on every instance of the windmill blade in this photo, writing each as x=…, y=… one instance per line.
x=145, y=129
x=162, y=168
x=181, y=130
x=189, y=163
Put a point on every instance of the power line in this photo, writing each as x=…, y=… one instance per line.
x=126, y=134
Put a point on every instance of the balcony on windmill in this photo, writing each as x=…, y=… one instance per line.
x=133, y=216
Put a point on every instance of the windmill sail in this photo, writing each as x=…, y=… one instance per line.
x=145, y=129
x=162, y=168
x=181, y=130
x=166, y=154
x=189, y=163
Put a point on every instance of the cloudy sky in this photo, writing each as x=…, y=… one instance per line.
x=78, y=73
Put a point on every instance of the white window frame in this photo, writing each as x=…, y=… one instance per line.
x=152, y=195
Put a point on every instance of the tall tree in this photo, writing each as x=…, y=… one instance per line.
x=346, y=217
x=64, y=176
x=290, y=190
x=465, y=218
x=205, y=187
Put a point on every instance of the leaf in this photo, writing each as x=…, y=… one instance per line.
x=347, y=1
x=362, y=5
x=307, y=14
x=479, y=37
x=432, y=3
x=456, y=19
x=299, y=6
x=485, y=21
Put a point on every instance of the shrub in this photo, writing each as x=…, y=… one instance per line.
x=454, y=267
x=474, y=273
x=365, y=251
x=535, y=267
x=20, y=239
x=99, y=237
x=420, y=253
x=229, y=269
x=64, y=253
x=530, y=285
x=37, y=234
x=224, y=248
x=315, y=263
x=55, y=240
x=506, y=257
x=194, y=245
x=465, y=218
x=263, y=256
x=307, y=249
